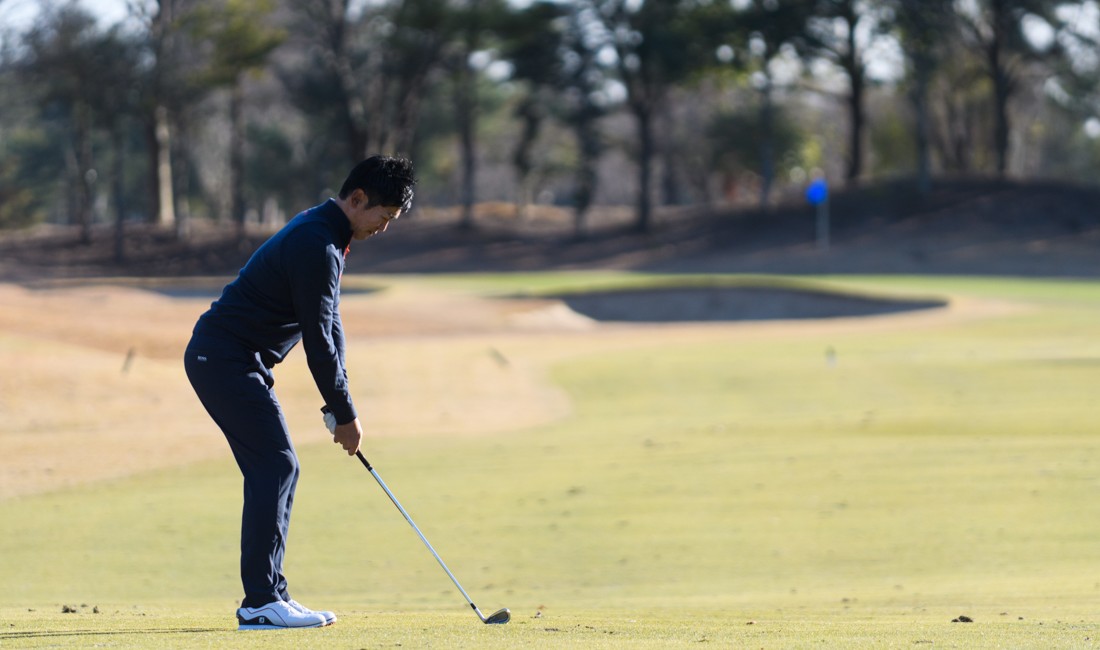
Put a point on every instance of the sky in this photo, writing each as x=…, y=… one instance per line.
x=20, y=13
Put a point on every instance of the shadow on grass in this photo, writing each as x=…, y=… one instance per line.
x=42, y=634
x=741, y=303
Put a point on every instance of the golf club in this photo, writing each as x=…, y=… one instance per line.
x=499, y=617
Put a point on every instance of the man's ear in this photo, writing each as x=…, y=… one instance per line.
x=365, y=197
x=358, y=198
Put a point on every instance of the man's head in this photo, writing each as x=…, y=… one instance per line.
x=377, y=191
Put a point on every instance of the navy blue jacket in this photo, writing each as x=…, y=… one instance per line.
x=289, y=291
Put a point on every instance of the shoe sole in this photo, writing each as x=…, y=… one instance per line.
x=252, y=626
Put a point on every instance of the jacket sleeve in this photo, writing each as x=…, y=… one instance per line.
x=315, y=271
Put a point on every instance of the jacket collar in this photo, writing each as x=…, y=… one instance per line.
x=335, y=216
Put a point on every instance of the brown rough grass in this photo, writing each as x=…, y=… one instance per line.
x=94, y=388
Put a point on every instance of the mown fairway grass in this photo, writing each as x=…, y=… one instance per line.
x=755, y=486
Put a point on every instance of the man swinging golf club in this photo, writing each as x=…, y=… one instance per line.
x=288, y=291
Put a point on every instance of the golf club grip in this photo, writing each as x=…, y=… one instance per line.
x=363, y=459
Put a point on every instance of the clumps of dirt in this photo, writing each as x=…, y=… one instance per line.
x=962, y=619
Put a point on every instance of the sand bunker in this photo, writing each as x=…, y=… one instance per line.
x=691, y=304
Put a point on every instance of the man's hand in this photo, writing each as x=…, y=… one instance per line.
x=348, y=436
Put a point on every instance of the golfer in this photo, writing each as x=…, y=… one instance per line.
x=288, y=291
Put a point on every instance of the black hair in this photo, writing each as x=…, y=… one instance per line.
x=386, y=180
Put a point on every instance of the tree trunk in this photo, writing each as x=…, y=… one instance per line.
x=531, y=117
x=767, y=142
x=236, y=158
x=587, y=177
x=645, y=164
x=86, y=174
x=469, y=173
x=152, y=180
x=952, y=140
x=856, y=79
x=1001, y=92
x=353, y=110
x=119, y=141
x=670, y=182
x=181, y=181
x=465, y=98
x=165, y=34
x=586, y=189
x=856, y=124
x=398, y=135
x=166, y=201
x=919, y=97
x=1002, y=85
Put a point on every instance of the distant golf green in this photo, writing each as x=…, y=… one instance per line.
x=850, y=483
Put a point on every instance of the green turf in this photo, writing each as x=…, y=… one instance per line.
x=740, y=493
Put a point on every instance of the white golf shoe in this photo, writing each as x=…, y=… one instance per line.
x=329, y=617
x=276, y=616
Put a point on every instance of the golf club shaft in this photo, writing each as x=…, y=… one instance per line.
x=450, y=575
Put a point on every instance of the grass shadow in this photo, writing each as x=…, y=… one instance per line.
x=42, y=634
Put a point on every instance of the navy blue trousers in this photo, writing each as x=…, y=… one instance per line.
x=236, y=390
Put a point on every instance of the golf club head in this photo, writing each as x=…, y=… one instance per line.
x=499, y=617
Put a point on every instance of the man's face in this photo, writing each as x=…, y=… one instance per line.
x=367, y=222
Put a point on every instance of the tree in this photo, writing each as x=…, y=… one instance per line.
x=531, y=45
x=554, y=54
x=472, y=20
x=116, y=106
x=656, y=46
x=325, y=83
x=361, y=76
x=240, y=44
x=82, y=78
x=168, y=93
x=583, y=80
x=532, y=41
x=28, y=167
x=842, y=32
x=1077, y=69
x=923, y=27
x=414, y=50
x=997, y=29
x=772, y=27
x=739, y=142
